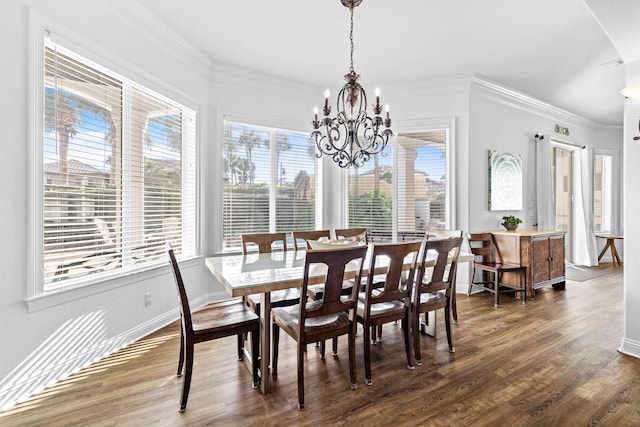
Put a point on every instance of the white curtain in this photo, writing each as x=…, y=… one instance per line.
x=545, y=210
x=585, y=251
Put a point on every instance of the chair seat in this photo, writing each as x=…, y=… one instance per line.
x=380, y=308
x=288, y=319
x=220, y=316
x=495, y=266
x=281, y=298
x=432, y=297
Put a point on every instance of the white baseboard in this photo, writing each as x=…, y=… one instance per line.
x=630, y=347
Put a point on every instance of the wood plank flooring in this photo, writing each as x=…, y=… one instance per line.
x=551, y=362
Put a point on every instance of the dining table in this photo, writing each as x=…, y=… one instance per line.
x=263, y=273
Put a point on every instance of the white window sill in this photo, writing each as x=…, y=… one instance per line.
x=63, y=296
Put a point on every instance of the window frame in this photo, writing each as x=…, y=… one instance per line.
x=40, y=27
x=266, y=121
x=449, y=125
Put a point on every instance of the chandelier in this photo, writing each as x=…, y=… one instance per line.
x=351, y=137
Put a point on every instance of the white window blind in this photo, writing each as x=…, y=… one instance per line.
x=403, y=197
x=269, y=181
x=118, y=173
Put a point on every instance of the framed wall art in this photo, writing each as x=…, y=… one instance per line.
x=505, y=181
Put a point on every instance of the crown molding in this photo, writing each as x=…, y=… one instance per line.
x=512, y=97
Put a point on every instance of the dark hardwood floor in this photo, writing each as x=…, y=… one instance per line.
x=551, y=362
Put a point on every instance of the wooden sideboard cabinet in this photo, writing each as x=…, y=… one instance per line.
x=541, y=251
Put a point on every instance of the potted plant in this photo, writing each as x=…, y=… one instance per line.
x=510, y=222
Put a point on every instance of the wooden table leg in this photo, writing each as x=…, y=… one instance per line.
x=611, y=244
x=614, y=252
x=604, y=250
x=265, y=342
x=428, y=327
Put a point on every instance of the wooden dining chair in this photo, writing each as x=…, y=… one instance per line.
x=327, y=318
x=448, y=234
x=391, y=302
x=435, y=290
x=265, y=243
x=303, y=236
x=315, y=291
x=218, y=320
x=482, y=247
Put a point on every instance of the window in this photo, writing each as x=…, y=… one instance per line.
x=406, y=195
x=118, y=173
x=270, y=182
x=602, y=187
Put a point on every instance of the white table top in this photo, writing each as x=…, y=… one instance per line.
x=258, y=273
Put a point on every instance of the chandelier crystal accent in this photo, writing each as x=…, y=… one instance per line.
x=352, y=136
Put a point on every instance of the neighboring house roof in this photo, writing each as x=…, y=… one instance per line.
x=74, y=167
x=388, y=168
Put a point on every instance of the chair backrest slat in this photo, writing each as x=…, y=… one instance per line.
x=399, y=282
x=336, y=261
x=264, y=241
x=481, y=245
x=447, y=253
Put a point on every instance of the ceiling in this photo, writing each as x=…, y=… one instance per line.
x=555, y=51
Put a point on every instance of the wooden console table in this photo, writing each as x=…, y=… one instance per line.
x=611, y=244
x=541, y=251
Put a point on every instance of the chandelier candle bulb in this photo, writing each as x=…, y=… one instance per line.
x=315, y=114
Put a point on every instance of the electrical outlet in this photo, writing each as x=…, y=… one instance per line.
x=147, y=299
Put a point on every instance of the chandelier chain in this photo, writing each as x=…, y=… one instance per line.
x=351, y=38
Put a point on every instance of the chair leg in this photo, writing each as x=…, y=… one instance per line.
x=496, y=288
x=300, y=376
x=407, y=340
x=335, y=346
x=187, y=376
x=275, y=343
x=367, y=355
x=255, y=355
x=241, y=346
x=473, y=274
x=181, y=357
x=352, y=359
x=323, y=346
x=379, y=339
x=454, y=304
x=447, y=325
x=415, y=320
